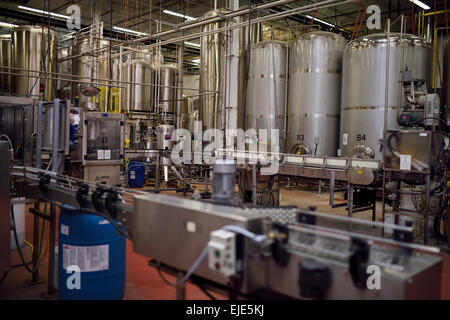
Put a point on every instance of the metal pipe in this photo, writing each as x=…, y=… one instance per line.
x=55, y=166
x=386, y=92
x=221, y=17
x=275, y=16
x=254, y=184
x=103, y=81
x=180, y=85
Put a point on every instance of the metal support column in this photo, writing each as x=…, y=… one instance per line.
x=383, y=205
x=157, y=173
x=427, y=204
x=180, y=290
x=350, y=202
x=35, y=275
x=254, y=184
x=55, y=166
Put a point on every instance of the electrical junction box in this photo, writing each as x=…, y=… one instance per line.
x=222, y=252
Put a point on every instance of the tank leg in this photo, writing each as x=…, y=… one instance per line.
x=180, y=290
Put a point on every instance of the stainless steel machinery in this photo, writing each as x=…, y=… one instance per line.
x=91, y=66
x=266, y=91
x=248, y=251
x=64, y=88
x=34, y=49
x=212, y=72
x=101, y=151
x=164, y=136
x=5, y=61
x=167, y=92
x=138, y=97
x=414, y=150
x=281, y=251
x=315, y=93
x=364, y=85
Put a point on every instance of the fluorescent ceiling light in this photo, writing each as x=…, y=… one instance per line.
x=57, y=15
x=196, y=61
x=421, y=4
x=130, y=31
x=192, y=44
x=8, y=25
x=8, y=36
x=318, y=20
x=179, y=15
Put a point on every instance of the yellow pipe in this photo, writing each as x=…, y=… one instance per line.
x=437, y=12
x=423, y=21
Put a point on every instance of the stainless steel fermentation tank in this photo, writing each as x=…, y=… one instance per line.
x=92, y=64
x=167, y=75
x=213, y=53
x=34, y=48
x=64, y=88
x=363, y=88
x=212, y=72
x=266, y=91
x=5, y=61
x=314, y=93
x=138, y=97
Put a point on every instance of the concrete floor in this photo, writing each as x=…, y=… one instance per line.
x=143, y=282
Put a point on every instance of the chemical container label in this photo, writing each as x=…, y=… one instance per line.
x=88, y=259
x=64, y=229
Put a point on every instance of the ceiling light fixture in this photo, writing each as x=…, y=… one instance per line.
x=192, y=44
x=56, y=15
x=8, y=25
x=421, y=4
x=130, y=31
x=321, y=21
x=176, y=14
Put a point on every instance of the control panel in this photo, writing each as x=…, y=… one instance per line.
x=222, y=252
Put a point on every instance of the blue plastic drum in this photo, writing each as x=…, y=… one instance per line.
x=91, y=245
x=136, y=174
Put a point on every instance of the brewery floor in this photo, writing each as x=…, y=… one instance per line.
x=143, y=282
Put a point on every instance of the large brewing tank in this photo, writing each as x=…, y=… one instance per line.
x=137, y=97
x=267, y=89
x=34, y=48
x=91, y=65
x=315, y=93
x=167, y=92
x=256, y=32
x=64, y=67
x=5, y=61
x=363, y=88
x=212, y=71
